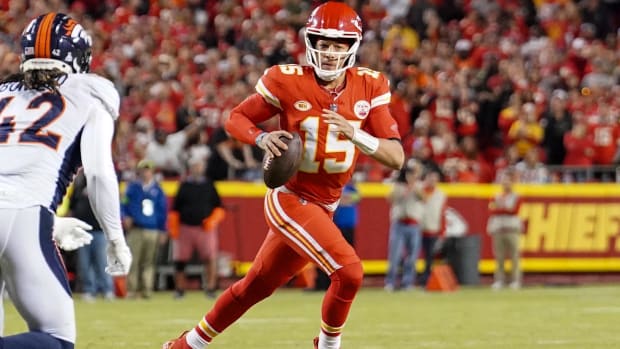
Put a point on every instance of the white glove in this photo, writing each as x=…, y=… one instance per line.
x=119, y=258
x=70, y=233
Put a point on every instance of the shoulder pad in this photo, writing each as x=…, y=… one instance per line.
x=103, y=90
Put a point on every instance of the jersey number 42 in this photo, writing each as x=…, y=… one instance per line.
x=35, y=133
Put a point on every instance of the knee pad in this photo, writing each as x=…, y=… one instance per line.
x=179, y=266
x=348, y=279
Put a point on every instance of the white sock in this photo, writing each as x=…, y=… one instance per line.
x=195, y=341
x=328, y=342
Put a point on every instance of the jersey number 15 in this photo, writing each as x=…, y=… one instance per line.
x=35, y=133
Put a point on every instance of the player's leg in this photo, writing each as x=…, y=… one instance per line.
x=274, y=264
x=309, y=229
x=36, y=280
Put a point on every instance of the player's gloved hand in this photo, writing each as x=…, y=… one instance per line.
x=119, y=258
x=70, y=233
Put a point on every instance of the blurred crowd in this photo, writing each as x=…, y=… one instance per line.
x=478, y=86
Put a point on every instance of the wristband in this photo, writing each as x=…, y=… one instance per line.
x=259, y=138
x=367, y=143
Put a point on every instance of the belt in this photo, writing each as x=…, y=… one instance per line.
x=408, y=221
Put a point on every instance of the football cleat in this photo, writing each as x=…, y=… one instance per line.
x=178, y=343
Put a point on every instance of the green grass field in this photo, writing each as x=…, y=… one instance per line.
x=562, y=317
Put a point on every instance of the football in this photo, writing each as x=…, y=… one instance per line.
x=278, y=170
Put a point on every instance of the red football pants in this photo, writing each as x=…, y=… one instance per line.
x=300, y=232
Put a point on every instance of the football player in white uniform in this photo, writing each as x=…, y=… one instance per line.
x=54, y=118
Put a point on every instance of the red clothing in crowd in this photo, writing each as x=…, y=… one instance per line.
x=579, y=151
x=605, y=141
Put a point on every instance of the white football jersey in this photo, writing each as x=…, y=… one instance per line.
x=40, y=135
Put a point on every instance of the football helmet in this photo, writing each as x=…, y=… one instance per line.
x=55, y=41
x=332, y=20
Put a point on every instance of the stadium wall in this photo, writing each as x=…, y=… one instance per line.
x=568, y=227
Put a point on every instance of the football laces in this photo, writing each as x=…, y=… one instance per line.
x=267, y=162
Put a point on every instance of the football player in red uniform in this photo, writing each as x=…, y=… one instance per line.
x=339, y=111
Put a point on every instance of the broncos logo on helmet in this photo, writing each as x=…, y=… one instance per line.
x=55, y=41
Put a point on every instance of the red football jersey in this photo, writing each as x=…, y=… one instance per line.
x=329, y=157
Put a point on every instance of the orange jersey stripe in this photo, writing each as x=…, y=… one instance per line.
x=297, y=235
x=42, y=43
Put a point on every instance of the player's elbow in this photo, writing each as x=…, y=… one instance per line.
x=229, y=123
x=98, y=178
x=394, y=156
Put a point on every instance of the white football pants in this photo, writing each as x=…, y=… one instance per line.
x=33, y=271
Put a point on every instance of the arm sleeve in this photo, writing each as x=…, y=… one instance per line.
x=103, y=194
x=380, y=122
x=244, y=117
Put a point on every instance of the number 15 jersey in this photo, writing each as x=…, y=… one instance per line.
x=40, y=134
x=329, y=157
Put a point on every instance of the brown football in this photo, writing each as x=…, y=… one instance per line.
x=278, y=170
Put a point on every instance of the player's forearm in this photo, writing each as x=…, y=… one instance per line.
x=104, y=199
x=243, y=118
x=390, y=153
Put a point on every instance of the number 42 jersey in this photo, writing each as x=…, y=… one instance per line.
x=329, y=157
x=40, y=135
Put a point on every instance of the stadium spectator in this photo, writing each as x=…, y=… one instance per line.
x=407, y=209
x=557, y=121
x=530, y=169
x=526, y=133
x=166, y=150
x=200, y=211
x=144, y=218
x=579, y=151
x=433, y=222
x=505, y=227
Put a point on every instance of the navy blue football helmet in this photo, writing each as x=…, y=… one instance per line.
x=56, y=41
